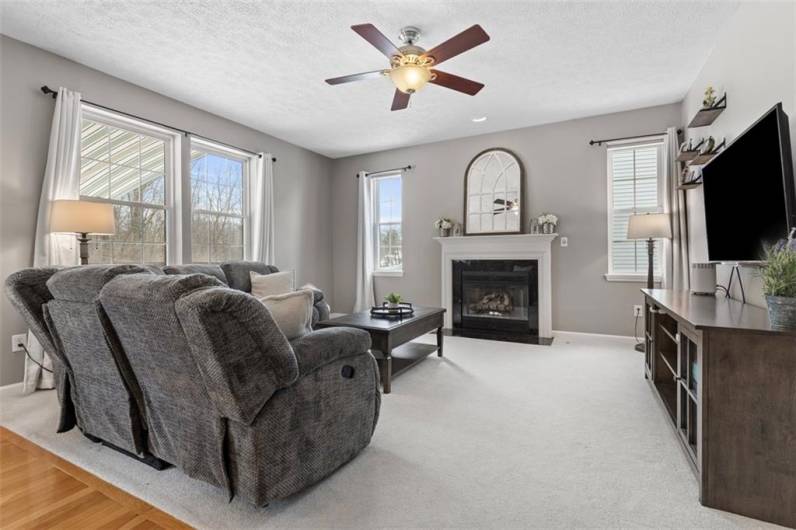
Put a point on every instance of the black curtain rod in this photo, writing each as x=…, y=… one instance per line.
x=600, y=142
x=369, y=173
x=54, y=93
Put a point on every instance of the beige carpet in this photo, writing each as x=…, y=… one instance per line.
x=493, y=435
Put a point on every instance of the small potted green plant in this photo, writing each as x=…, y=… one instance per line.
x=779, y=286
x=393, y=300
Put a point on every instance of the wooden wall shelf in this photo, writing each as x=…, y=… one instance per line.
x=687, y=156
x=689, y=185
x=705, y=117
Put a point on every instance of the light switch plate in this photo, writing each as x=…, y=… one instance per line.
x=18, y=342
x=564, y=241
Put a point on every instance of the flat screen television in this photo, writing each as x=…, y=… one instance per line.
x=750, y=201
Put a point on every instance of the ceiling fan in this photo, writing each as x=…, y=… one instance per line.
x=411, y=66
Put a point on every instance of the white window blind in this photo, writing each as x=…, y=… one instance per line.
x=635, y=177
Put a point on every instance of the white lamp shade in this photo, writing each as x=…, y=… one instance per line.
x=82, y=217
x=649, y=225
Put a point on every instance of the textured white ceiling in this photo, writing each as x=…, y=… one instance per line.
x=263, y=63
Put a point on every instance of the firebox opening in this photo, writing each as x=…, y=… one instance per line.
x=496, y=295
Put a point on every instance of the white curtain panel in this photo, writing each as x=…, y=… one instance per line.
x=676, y=260
x=262, y=210
x=365, y=258
x=61, y=181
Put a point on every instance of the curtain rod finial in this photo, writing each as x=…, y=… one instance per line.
x=49, y=91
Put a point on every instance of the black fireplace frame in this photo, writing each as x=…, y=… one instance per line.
x=498, y=270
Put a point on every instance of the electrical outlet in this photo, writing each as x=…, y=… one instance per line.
x=564, y=241
x=637, y=310
x=19, y=342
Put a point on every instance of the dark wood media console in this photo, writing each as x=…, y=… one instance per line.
x=728, y=383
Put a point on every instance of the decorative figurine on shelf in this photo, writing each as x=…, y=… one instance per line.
x=444, y=225
x=458, y=230
x=393, y=300
x=709, y=145
x=548, y=223
x=710, y=97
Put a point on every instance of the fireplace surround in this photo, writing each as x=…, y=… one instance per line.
x=522, y=247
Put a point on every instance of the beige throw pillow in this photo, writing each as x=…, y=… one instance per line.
x=292, y=312
x=271, y=284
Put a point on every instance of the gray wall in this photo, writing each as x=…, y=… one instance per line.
x=754, y=61
x=564, y=175
x=302, y=184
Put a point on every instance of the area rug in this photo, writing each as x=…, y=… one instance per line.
x=493, y=435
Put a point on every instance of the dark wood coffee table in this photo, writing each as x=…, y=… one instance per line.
x=387, y=334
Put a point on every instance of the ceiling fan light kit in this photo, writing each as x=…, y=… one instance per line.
x=411, y=66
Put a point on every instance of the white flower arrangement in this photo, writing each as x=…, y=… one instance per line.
x=547, y=218
x=443, y=223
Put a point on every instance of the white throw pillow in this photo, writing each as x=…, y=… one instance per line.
x=292, y=312
x=271, y=284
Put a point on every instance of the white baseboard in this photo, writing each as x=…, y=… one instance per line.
x=599, y=335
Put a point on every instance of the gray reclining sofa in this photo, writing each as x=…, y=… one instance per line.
x=210, y=385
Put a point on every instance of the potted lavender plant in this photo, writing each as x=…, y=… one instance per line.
x=779, y=286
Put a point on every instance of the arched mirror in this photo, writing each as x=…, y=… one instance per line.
x=493, y=185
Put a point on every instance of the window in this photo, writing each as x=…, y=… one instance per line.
x=387, y=215
x=218, y=203
x=635, y=177
x=129, y=166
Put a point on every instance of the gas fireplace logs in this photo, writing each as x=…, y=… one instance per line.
x=499, y=302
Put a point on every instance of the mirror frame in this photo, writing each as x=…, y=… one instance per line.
x=467, y=185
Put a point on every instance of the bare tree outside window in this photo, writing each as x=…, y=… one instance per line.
x=217, y=212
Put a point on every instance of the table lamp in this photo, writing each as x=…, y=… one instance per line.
x=649, y=226
x=82, y=218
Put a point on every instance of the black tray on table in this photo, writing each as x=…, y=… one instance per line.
x=403, y=310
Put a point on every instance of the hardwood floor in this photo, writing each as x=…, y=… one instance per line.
x=41, y=490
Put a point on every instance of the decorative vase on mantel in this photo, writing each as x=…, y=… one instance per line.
x=444, y=226
x=547, y=223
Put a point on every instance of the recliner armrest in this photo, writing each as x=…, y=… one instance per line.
x=320, y=308
x=323, y=346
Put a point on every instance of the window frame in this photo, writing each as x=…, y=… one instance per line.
x=633, y=143
x=378, y=271
x=249, y=167
x=172, y=176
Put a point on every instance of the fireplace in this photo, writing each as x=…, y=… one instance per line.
x=495, y=296
x=492, y=252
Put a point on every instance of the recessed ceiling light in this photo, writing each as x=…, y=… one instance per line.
x=479, y=120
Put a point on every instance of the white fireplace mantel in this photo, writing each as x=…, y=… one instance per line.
x=514, y=246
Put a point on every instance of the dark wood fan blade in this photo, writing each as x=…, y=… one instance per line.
x=400, y=100
x=467, y=39
x=355, y=77
x=377, y=39
x=454, y=82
